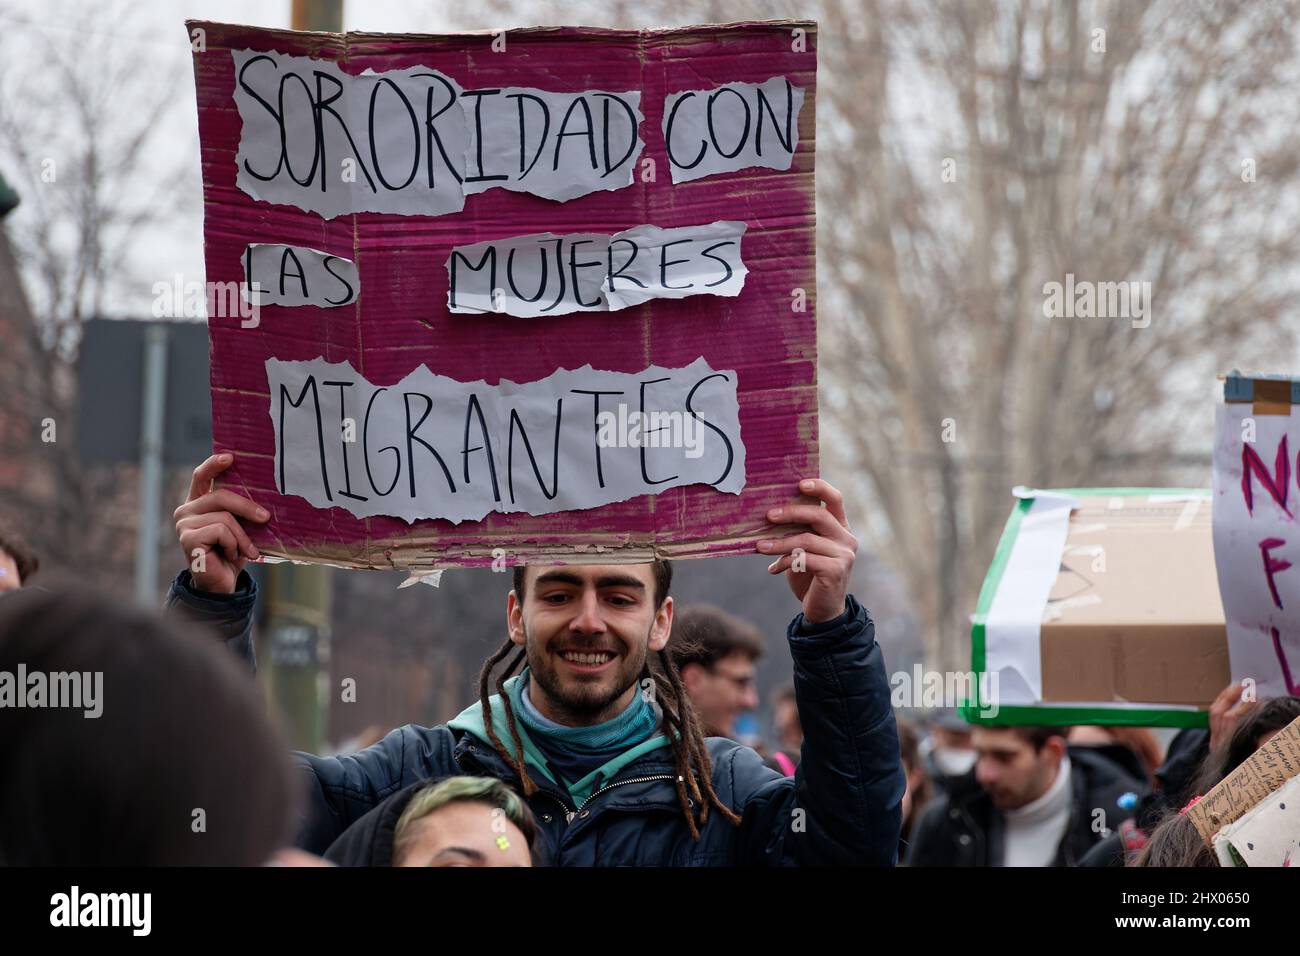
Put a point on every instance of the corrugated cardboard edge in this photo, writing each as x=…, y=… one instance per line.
x=1263, y=772
x=1061, y=715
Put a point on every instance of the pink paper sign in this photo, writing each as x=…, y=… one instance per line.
x=399, y=319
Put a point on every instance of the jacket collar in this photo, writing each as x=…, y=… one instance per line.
x=472, y=753
x=470, y=722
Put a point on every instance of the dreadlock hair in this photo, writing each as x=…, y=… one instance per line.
x=694, y=769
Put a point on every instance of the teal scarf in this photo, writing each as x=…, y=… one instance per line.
x=634, y=725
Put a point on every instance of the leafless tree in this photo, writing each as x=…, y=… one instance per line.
x=971, y=151
x=1112, y=141
x=81, y=99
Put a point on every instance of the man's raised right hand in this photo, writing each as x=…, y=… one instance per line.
x=216, y=548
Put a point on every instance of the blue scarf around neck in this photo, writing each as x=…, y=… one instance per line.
x=576, y=751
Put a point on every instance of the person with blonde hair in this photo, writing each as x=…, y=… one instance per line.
x=457, y=821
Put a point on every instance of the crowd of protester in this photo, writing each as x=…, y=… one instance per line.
x=602, y=734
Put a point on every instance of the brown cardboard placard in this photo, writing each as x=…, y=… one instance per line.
x=1263, y=772
x=401, y=320
x=1135, y=615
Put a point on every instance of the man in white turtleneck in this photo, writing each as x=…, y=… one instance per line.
x=1031, y=801
x=1027, y=776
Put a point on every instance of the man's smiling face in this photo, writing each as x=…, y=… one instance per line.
x=587, y=630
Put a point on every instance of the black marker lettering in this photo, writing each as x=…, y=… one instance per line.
x=284, y=146
x=510, y=275
x=351, y=294
x=618, y=274
x=725, y=264
x=574, y=266
x=559, y=271
x=744, y=133
x=664, y=263
x=270, y=109
x=415, y=135
x=320, y=433
x=786, y=141
x=410, y=439
x=474, y=408
x=631, y=116
x=668, y=137
x=588, y=132
x=595, y=421
x=365, y=449
x=347, y=475
x=645, y=475
x=555, y=461
x=707, y=424
x=488, y=259
x=302, y=279
x=546, y=128
x=478, y=135
x=432, y=136
x=322, y=105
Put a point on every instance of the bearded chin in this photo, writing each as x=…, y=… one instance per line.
x=583, y=700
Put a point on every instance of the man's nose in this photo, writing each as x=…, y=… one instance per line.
x=588, y=619
x=749, y=697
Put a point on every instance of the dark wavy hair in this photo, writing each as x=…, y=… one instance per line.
x=180, y=729
x=1175, y=841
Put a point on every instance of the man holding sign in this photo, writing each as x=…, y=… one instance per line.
x=604, y=744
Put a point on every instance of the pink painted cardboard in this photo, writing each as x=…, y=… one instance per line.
x=401, y=319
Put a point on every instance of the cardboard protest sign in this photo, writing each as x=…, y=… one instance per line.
x=1100, y=607
x=1256, y=540
x=547, y=294
x=1263, y=772
x=1268, y=834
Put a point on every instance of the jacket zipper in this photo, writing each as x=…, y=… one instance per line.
x=569, y=813
x=611, y=786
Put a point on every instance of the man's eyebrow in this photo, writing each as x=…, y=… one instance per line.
x=463, y=851
x=620, y=581
x=607, y=581
x=559, y=577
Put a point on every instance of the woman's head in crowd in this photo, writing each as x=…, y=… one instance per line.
x=1255, y=729
x=137, y=744
x=1176, y=841
x=465, y=821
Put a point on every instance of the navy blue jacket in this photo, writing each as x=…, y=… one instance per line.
x=841, y=807
x=964, y=828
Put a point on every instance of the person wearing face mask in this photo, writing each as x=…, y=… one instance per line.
x=946, y=753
